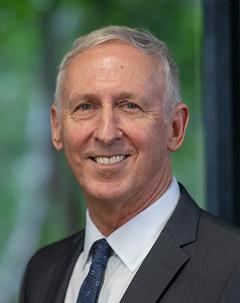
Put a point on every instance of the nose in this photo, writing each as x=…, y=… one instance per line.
x=108, y=127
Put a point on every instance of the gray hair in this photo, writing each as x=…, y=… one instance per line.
x=141, y=39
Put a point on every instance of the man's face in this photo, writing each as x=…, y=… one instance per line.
x=112, y=127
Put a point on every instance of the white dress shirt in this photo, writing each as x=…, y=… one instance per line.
x=130, y=243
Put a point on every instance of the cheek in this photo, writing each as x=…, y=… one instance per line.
x=155, y=142
x=71, y=140
x=147, y=144
x=146, y=135
x=75, y=136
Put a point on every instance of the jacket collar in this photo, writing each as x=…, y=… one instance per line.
x=167, y=256
x=66, y=261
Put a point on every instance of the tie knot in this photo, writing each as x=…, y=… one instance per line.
x=101, y=252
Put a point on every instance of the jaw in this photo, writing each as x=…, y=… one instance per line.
x=123, y=182
x=116, y=203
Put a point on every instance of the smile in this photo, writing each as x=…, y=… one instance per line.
x=109, y=160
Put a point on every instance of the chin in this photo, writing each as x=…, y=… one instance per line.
x=107, y=194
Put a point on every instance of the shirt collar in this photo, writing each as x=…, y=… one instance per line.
x=132, y=241
x=92, y=234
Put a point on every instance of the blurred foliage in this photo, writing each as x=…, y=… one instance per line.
x=34, y=35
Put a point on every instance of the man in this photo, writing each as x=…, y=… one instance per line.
x=118, y=116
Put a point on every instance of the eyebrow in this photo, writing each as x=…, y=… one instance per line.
x=79, y=96
x=129, y=95
x=121, y=95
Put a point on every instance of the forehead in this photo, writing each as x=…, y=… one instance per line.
x=109, y=63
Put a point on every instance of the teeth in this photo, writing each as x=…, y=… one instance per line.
x=109, y=160
x=116, y=159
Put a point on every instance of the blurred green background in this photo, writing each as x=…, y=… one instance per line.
x=40, y=200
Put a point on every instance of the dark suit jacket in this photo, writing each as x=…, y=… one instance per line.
x=196, y=259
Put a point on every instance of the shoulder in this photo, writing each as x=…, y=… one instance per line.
x=47, y=259
x=214, y=252
x=51, y=261
x=218, y=247
x=218, y=223
x=220, y=233
x=211, y=237
x=50, y=253
x=208, y=223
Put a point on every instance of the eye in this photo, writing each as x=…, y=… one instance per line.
x=85, y=106
x=128, y=105
x=131, y=105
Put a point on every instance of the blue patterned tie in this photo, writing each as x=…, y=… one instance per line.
x=92, y=284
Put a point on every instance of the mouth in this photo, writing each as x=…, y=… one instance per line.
x=104, y=160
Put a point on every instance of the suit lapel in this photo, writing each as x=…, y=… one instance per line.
x=158, y=269
x=58, y=287
x=167, y=257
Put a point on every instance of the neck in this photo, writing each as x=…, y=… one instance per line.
x=110, y=216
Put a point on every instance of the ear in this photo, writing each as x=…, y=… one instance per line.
x=55, y=126
x=178, y=126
